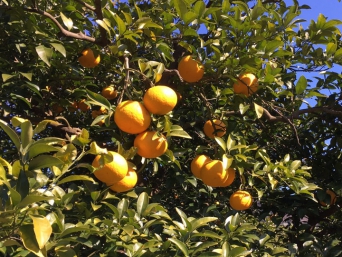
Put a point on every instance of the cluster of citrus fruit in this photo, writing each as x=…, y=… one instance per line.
x=134, y=117
x=192, y=70
x=214, y=174
x=116, y=172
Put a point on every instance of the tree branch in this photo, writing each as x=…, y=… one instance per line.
x=102, y=41
x=296, y=114
x=88, y=6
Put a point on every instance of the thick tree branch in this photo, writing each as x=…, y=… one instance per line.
x=296, y=114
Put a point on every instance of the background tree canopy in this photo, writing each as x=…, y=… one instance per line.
x=284, y=141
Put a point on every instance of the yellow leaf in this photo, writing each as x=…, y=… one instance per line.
x=42, y=229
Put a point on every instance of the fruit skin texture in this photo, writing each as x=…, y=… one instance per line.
x=128, y=182
x=83, y=106
x=213, y=173
x=248, y=79
x=109, y=93
x=160, y=99
x=149, y=148
x=197, y=163
x=240, y=200
x=220, y=128
x=132, y=117
x=231, y=177
x=190, y=70
x=111, y=172
x=332, y=198
x=88, y=60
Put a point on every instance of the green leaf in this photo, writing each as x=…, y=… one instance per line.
x=33, y=199
x=44, y=161
x=27, y=75
x=103, y=25
x=331, y=49
x=26, y=133
x=99, y=99
x=60, y=48
x=239, y=251
x=121, y=24
x=122, y=207
x=180, y=245
x=202, y=222
x=64, y=251
x=29, y=240
x=181, y=8
x=6, y=77
x=11, y=133
x=230, y=143
x=42, y=229
x=22, y=186
x=202, y=247
x=221, y=143
x=67, y=21
x=189, y=17
x=259, y=110
x=75, y=178
x=301, y=85
x=44, y=53
x=38, y=149
x=295, y=165
x=142, y=203
x=225, y=6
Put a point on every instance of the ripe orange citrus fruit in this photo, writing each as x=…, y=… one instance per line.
x=88, y=60
x=197, y=163
x=246, y=84
x=332, y=198
x=213, y=173
x=190, y=69
x=83, y=106
x=217, y=129
x=150, y=145
x=109, y=92
x=57, y=109
x=132, y=117
x=73, y=107
x=96, y=113
x=110, y=172
x=240, y=200
x=128, y=182
x=230, y=178
x=160, y=99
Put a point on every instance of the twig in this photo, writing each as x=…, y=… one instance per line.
x=127, y=79
x=88, y=6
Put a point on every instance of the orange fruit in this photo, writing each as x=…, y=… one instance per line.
x=111, y=172
x=190, y=69
x=73, y=107
x=230, y=178
x=213, y=173
x=128, y=182
x=96, y=113
x=88, y=60
x=197, y=163
x=57, y=109
x=132, y=117
x=217, y=129
x=160, y=99
x=240, y=200
x=246, y=84
x=150, y=145
x=332, y=198
x=83, y=106
x=109, y=92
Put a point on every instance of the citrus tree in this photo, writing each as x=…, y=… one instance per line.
x=169, y=128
